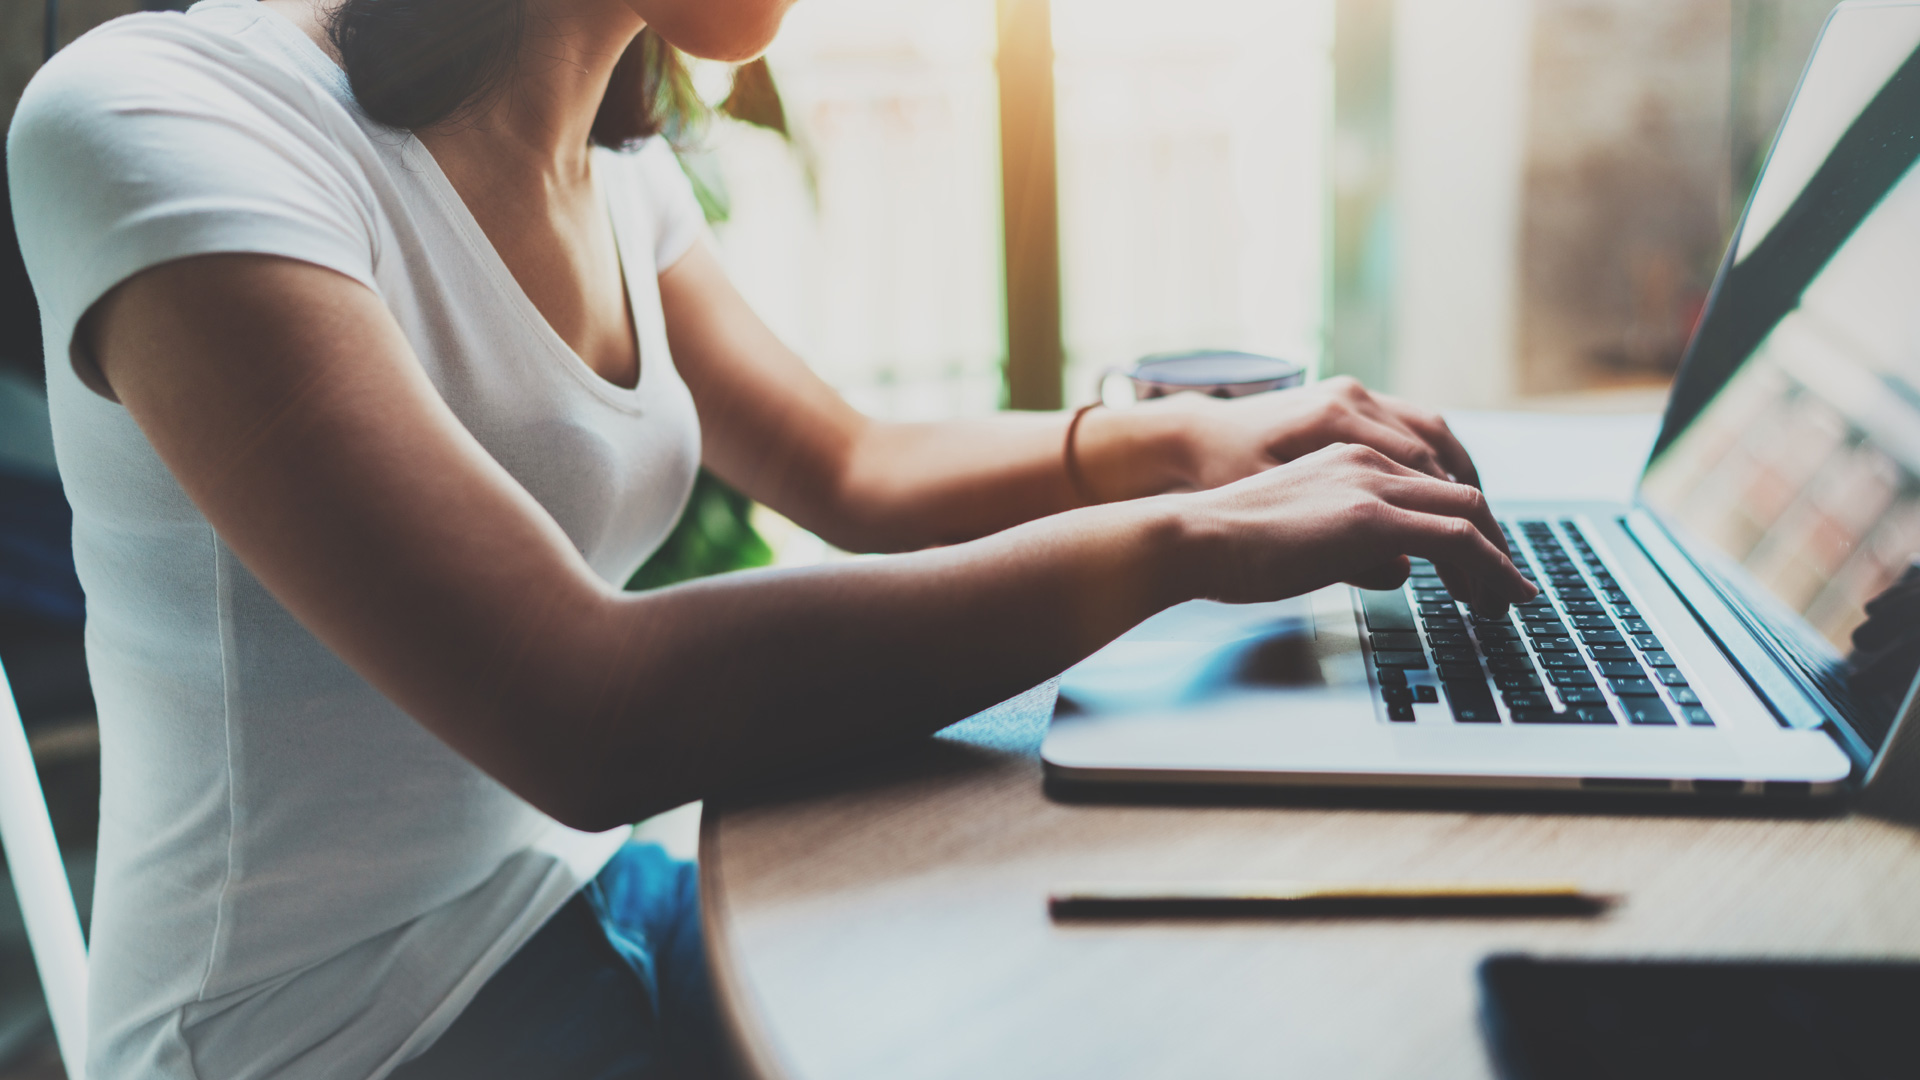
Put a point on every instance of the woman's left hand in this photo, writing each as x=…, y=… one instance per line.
x=1213, y=442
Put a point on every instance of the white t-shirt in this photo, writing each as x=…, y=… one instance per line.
x=295, y=878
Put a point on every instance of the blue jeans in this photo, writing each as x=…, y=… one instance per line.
x=613, y=987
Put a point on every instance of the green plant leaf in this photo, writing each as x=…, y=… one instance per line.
x=715, y=535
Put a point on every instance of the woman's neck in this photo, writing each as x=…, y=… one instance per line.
x=541, y=120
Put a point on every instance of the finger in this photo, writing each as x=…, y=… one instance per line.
x=1433, y=429
x=1395, y=442
x=1459, y=583
x=1388, y=575
x=1451, y=539
x=1446, y=497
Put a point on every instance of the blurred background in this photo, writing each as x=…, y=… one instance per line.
x=979, y=204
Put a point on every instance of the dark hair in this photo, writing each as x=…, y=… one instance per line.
x=417, y=64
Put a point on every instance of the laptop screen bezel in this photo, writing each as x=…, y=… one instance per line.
x=1761, y=624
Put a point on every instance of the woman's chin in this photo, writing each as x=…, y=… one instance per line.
x=713, y=32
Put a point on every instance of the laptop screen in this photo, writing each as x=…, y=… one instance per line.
x=1789, y=460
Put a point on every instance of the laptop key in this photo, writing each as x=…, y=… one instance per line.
x=1397, y=695
x=1626, y=612
x=1562, y=661
x=1528, y=682
x=1614, y=596
x=1582, y=607
x=1527, y=701
x=1592, y=622
x=1510, y=665
x=1647, y=642
x=1386, y=610
x=1548, y=643
x=1646, y=711
x=1695, y=716
x=1611, y=652
x=1581, y=678
x=1471, y=703
x=1683, y=696
x=1396, y=641
x=1636, y=626
x=1602, y=637
x=1400, y=660
x=1593, y=714
x=1400, y=714
x=1670, y=677
x=1571, y=716
x=1503, y=648
x=1632, y=688
x=1454, y=654
x=1622, y=669
x=1448, y=637
x=1426, y=694
x=1657, y=658
x=1583, y=696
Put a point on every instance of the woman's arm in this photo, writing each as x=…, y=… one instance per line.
x=288, y=404
x=774, y=430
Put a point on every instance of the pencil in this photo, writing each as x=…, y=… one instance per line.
x=1296, y=899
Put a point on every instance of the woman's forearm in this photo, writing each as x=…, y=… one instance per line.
x=776, y=431
x=662, y=697
x=910, y=486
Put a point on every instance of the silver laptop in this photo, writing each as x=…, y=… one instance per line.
x=1748, y=626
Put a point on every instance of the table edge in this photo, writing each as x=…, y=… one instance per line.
x=750, y=1051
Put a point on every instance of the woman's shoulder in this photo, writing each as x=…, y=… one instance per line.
x=650, y=171
x=220, y=58
x=159, y=137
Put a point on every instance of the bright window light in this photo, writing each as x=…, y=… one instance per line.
x=1192, y=177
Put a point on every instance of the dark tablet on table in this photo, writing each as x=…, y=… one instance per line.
x=1649, y=1020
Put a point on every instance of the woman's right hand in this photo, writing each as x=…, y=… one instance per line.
x=1345, y=513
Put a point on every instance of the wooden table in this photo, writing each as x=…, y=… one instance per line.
x=888, y=920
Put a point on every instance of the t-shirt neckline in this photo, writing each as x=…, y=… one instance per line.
x=318, y=64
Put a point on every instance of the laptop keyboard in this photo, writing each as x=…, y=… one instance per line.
x=1579, y=653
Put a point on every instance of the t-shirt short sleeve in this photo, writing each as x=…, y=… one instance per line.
x=677, y=218
x=147, y=142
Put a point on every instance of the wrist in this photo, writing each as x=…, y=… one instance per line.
x=1168, y=539
x=1136, y=452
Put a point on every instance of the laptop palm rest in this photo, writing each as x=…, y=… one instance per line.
x=1203, y=651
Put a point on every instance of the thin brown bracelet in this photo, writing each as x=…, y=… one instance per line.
x=1075, y=477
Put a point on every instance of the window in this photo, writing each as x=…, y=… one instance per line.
x=1192, y=178
x=1191, y=191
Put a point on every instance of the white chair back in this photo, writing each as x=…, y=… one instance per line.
x=40, y=880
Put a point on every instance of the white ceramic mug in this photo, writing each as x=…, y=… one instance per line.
x=1214, y=372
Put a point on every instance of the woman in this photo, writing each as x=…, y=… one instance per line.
x=381, y=376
